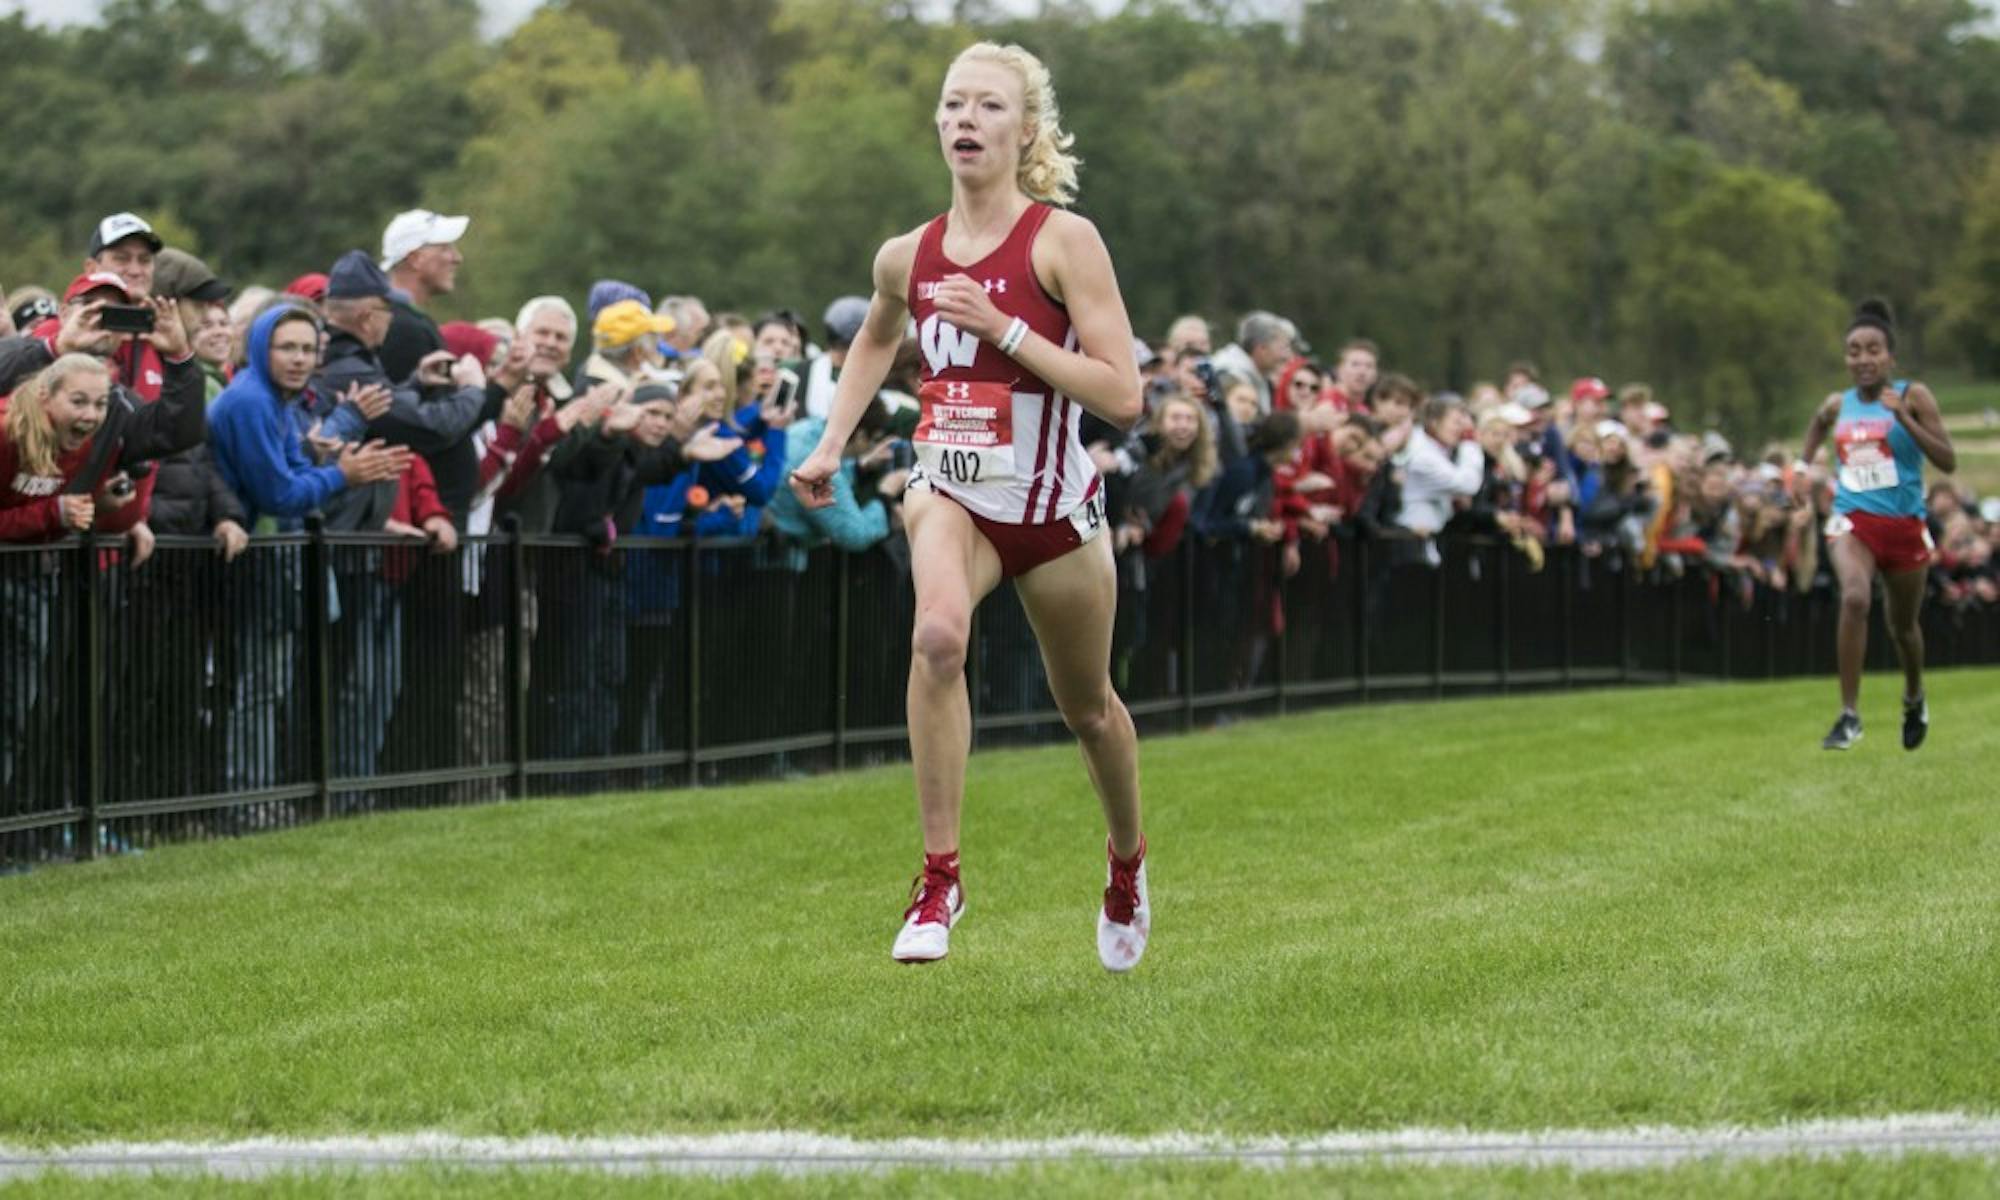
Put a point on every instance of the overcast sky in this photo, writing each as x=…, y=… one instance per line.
x=502, y=15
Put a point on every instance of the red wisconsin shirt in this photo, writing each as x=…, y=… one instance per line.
x=993, y=435
x=29, y=508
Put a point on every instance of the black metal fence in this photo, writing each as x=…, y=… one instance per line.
x=323, y=675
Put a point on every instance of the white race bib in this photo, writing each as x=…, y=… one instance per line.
x=966, y=433
x=1867, y=464
x=1869, y=477
x=1088, y=518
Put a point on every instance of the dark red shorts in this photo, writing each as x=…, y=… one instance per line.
x=1022, y=548
x=1898, y=543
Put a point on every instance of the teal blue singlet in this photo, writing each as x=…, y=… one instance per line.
x=1880, y=466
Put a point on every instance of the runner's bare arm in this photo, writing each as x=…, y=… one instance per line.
x=874, y=348
x=1823, y=419
x=1919, y=414
x=1101, y=375
x=1070, y=259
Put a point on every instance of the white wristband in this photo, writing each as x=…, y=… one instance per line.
x=1017, y=332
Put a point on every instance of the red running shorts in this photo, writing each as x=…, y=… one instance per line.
x=1898, y=543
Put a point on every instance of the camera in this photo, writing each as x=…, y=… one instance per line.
x=1204, y=370
x=125, y=318
x=902, y=455
x=786, y=394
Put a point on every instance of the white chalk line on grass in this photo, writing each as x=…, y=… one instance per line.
x=732, y=1154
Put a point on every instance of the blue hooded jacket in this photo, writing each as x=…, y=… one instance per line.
x=256, y=443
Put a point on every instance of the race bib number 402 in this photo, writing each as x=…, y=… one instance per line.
x=966, y=432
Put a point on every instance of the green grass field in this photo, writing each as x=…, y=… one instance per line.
x=1595, y=910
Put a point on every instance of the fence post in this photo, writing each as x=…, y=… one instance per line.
x=1437, y=628
x=692, y=699
x=1627, y=567
x=1775, y=606
x=1280, y=640
x=517, y=651
x=843, y=581
x=1361, y=542
x=1568, y=557
x=319, y=658
x=1503, y=614
x=90, y=689
x=1726, y=599
x=1678, y=618
x=1187, y=634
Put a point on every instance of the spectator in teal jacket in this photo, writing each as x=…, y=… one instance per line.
x=847, y=522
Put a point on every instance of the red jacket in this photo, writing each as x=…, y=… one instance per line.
x=30, y=510
x=416, y=502
x=513, y=458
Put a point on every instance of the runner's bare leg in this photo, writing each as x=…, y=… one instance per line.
x=1904, y=592
x=1854, y=564
x=954, y=568
x=1070, y=602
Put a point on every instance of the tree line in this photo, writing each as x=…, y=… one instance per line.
x=1687, y=191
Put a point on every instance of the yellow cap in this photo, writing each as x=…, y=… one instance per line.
x=627, y=321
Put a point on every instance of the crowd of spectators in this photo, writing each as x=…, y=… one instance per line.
x=147, y=396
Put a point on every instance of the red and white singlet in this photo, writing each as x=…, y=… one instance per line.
x=993, y=436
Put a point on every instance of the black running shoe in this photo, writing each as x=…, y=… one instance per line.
x=1845, y=732
x=1916, y=722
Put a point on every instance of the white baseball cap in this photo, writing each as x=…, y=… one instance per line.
x=415, y=229
x=119, y=226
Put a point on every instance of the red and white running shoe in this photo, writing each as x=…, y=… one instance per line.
x=936, y=903
x=1126, y=919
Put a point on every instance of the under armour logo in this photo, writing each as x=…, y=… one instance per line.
x=996, y=285
x=957, y=391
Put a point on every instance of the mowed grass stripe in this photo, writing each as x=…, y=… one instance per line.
x=748, y=1153
x=1851, y=1176
x=1582, y=911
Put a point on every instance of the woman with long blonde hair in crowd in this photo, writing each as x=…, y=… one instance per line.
x=46, y=437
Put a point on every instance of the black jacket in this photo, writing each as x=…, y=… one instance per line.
x=435, y=422
x=190, y=497
x=602, y=488
x=21, y=357
x=412, y=334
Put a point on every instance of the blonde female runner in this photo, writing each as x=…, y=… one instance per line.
x=1022, y=330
